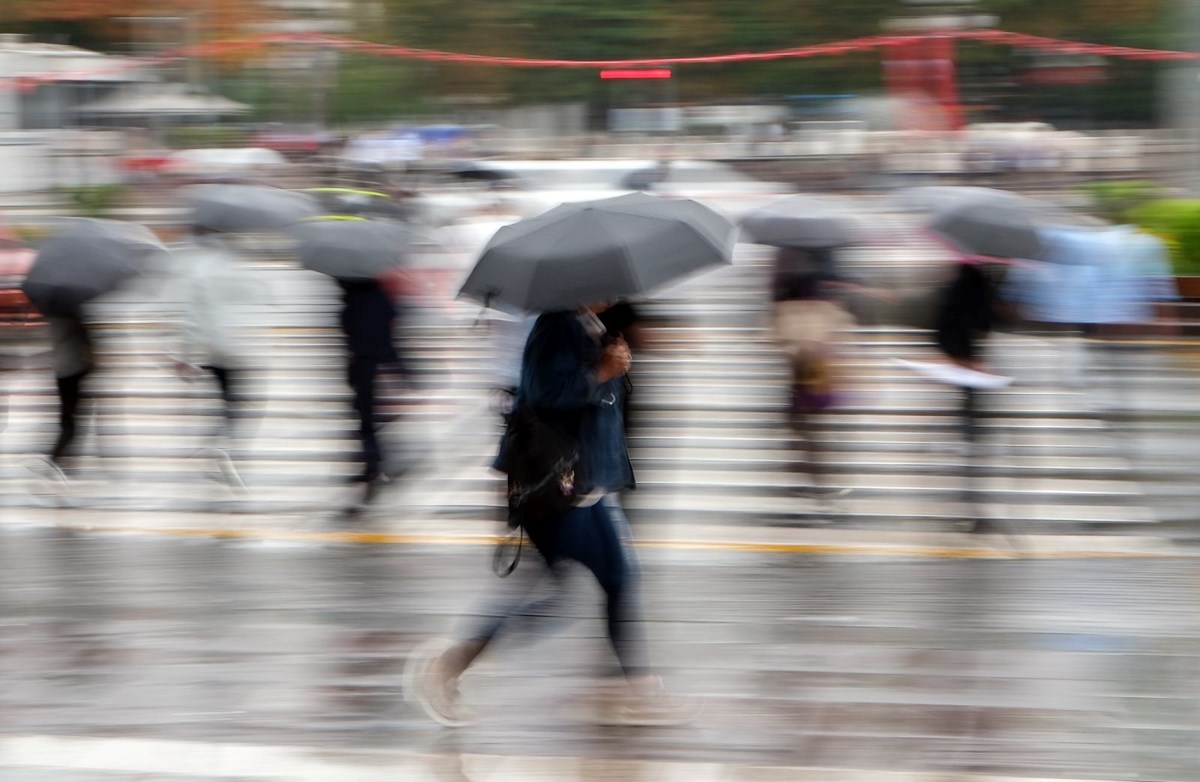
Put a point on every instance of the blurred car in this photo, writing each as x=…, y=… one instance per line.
x=195, y=165
x=534, y=186
x=292, y=139
x=145, y=163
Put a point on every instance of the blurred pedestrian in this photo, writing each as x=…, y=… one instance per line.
x=368, y=321
x=966, y=315
x=805, y=319
x=216, y=294
x=72, y=358
x=572, y=382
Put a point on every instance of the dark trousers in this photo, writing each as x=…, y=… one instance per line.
x=70, y=394
x=361, y=376
x=591, y=537
x=229, y=381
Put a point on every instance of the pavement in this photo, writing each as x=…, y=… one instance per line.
x=142, y=656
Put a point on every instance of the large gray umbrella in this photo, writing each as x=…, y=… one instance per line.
x=989, y=222
x=239, y=208
x=594, y=251
x=996, y=230
x=350, y=248
x=940, y=198
x=800, y=221
x=89, y=259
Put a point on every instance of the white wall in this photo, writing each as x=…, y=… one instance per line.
x=40, y=160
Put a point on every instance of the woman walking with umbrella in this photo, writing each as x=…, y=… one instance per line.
x=805, y=318
x=218, y=291
x=565, y=452
x=806, y=312
x=73, y=359
x=357, y=252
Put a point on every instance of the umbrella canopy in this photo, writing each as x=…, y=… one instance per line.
x=355, y=202
x=990, y=229
x=238, y=208
x=593, y=251
x=939, y=198
x=350, y=248
x=89, y=259
x=800, y=221
x=987, y=222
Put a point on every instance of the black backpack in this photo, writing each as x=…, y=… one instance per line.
x=542, y=463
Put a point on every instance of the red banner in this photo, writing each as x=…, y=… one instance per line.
x=939, y=40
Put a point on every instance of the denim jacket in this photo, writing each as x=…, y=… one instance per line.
x=558, y=380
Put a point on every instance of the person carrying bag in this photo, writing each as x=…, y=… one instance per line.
x=565, y=456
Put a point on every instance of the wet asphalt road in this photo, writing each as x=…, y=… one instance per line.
x=1083, y=669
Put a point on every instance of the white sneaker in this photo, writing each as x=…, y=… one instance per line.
x=432, y=684
x=45, y=468
x=643, y=703
x=229, y=472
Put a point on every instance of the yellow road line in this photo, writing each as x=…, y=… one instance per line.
x=813, y=549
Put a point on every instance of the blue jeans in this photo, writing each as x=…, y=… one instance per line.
x=593, y=537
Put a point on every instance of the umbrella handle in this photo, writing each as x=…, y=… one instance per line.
x=487, y=301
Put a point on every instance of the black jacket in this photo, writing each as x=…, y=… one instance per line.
x=966, y=313
x=368, y=317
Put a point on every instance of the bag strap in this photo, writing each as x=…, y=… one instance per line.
x=498, y=554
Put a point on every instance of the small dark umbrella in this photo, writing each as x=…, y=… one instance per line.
x=238, y=208
x=993, y=230
x=594, y=251
x=799, y=221
x=88, y=260
x=350, y=248
x=987, y=222
x=939, y=198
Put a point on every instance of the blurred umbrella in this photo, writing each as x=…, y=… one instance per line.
x=482, y=173
x=594, y=251
x=799, y=221
x=87, y=260
x=987, y=222
x=350, y=248
x=236, y=208
x=995, y=230
x=355, y=202
x=939, y=198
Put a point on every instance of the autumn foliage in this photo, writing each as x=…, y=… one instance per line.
x=211, y=18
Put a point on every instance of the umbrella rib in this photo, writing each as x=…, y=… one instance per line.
x=629, y=266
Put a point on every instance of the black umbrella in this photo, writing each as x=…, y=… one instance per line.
x=351, y=248
x=801, y=221
x=594, y=251
x=940, y=198
x=988, y=222
x=996, y=230
x=89, y=259
x=237, y=208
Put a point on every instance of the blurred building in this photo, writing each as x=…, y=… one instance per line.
x=310, y=17
x=87, y=77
